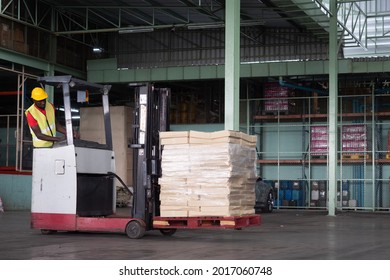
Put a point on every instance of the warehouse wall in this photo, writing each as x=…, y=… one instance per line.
x=15, y=191
x=198, y=127
x=164, y=48
x=7, y=146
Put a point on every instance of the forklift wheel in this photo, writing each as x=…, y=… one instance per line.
x=47, y=231
x=168, y=231
x=135, y=230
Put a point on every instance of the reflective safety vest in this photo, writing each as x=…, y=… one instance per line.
x=46, y=124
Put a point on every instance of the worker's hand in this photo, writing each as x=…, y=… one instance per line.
x=76, y=134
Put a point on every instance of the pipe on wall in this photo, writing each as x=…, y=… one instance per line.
x=284, y=84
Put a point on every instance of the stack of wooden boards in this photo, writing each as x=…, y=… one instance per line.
x=207, y=173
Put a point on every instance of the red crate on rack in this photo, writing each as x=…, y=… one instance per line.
x=319, y=140
x=388, y=141
x=355, y=139
x=276, y=98
x=388, y=145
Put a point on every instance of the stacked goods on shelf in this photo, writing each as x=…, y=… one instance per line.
x=13, y=37
x=5, y=35
x=207, y=174
x=388, y=145
x=276, y=98
x=297, y=193
x=318, y=196
x=292, y=193
x=319, y=140
x=344, y=195
x=356, y=141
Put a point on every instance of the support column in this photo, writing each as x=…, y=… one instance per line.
x=52, y=59
x=232, y=64
x=49, y=89
x=333, y=110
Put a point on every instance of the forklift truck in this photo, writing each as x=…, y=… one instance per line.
x=73, y=182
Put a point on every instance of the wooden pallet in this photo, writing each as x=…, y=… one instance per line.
x=354, y=156
x=235, y=222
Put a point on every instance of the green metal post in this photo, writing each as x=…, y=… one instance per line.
x=50, y=89
x=232, y=64
x=333, y=108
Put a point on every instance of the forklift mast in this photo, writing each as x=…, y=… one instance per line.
x=150, y=117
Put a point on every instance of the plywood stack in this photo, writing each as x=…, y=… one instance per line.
x=207, y=174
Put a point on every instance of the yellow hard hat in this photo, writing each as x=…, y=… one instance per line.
x=38, y=94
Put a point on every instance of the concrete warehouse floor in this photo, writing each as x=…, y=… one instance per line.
x=283, y=235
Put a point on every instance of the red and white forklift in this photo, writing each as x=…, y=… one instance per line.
x=73, y=182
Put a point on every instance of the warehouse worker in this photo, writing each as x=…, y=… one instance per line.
x=42, y=121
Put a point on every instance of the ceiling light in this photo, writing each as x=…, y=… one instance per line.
x=222, y=25
x=97, y=50
x=135, y=30
x=205, y=26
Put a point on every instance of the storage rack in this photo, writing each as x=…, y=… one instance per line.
x=284, y=149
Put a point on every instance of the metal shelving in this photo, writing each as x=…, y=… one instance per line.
x=284, y=155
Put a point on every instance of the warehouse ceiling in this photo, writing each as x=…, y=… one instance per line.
x=70, y=17
x=83, y=20
x=105, y=16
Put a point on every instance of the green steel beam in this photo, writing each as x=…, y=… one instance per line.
x=22, y=59
x=50, y=89
x=38, y=64
x=106, y=70
x=232, y=65
x=333, y=110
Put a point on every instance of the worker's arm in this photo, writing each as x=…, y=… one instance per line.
x=62, y=129
x=45, y=137
x=33, y=124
